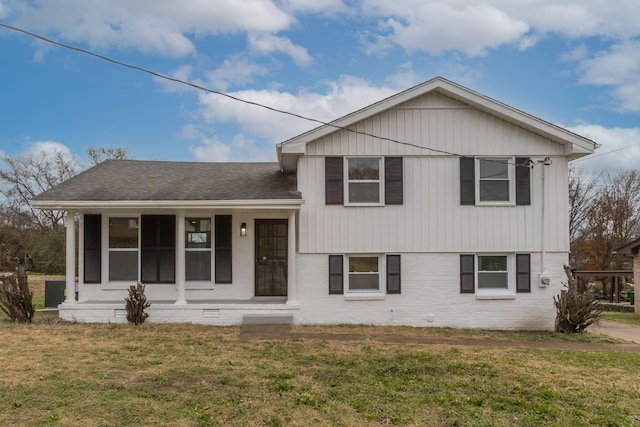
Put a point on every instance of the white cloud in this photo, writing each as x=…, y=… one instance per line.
x=438, y=26
x=623, y=144
x=473, y=26
x=235, y=70
x=619, y=68
x=211, y=150
x=576, y=18
x=150, y=26
x=240, y=149
x=266, y=44
x=51, y=149
x=316, y=6
x=342, y=97
x=4, y=10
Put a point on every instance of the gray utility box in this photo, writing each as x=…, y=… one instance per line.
x=54, y=293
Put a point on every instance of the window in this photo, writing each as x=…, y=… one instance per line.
x=493, y=272
x=363, y=180
x=364, y=274
x=495, y=181
x=123, y=249
x=368, y=181
x=198, y=249
x=482, y=273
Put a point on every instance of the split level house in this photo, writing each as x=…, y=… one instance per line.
x=437, y=206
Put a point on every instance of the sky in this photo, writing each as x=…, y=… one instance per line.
x=574, y=63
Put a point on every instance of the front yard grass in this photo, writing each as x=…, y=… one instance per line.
x=193, y=375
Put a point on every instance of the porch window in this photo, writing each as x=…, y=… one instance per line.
x=123, y=249
x=198, y=249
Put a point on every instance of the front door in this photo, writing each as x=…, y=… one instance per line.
x=271, y=257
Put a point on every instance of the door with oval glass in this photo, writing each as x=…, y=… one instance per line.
x=271, y=257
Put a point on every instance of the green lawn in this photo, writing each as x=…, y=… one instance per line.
x=191, y=375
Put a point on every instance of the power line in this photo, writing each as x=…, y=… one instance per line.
x=205, y=89
x=604, y=154
x=235, y=98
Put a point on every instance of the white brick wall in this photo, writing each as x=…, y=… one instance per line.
x=430, y=297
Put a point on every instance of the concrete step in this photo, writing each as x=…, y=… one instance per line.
x=267, y=319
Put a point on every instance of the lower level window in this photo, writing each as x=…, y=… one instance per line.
x=364, y=273
x=493, y=272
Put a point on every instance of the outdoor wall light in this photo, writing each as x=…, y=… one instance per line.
x=243, y=229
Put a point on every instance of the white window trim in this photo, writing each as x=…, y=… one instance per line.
x=511, y=177
x=369, y=294
x=106, y=250
x=379, y=181
x=201, y=284
x=497, y=293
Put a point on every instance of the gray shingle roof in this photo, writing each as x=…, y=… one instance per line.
x=128, y=180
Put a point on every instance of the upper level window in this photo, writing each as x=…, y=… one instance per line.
x=495, y=181
x=363, y=181
x=494, y=178
x=363, y=184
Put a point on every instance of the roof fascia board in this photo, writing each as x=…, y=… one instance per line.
x=177, y=204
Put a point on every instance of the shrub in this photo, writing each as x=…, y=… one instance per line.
x=575, y=311
x=136, y=304
x=16, y=300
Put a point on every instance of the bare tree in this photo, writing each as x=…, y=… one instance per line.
x=612, y=220
x=24, y=177
x=582, y=190
x=97, y=155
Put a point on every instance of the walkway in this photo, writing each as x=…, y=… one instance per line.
x=617, y=330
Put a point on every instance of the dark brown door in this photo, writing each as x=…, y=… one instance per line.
x=271, y=257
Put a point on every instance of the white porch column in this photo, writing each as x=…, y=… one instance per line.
x=180, y=261
x=292, y=288
x=69, y=222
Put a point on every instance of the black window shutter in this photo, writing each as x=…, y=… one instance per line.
x=334, y=176
x=393, y=274
x=393, y=194
x=523, y=181
x=158, y=249
x=336, y=280
x=467, y=181
x=92, y=248
x=467, y=274
x=523, y=273
x=223, y=262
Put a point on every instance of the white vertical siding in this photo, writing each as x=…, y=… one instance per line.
x=431, y=218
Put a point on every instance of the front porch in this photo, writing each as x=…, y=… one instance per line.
x=209, y=312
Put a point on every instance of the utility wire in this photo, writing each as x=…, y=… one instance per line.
x=604, y=154
x=235, y=98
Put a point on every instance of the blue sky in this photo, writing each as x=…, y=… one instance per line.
x=575, y=63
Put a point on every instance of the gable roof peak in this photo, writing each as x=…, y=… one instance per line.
x=575, y=145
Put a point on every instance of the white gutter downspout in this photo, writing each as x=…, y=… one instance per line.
x=543, y=276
